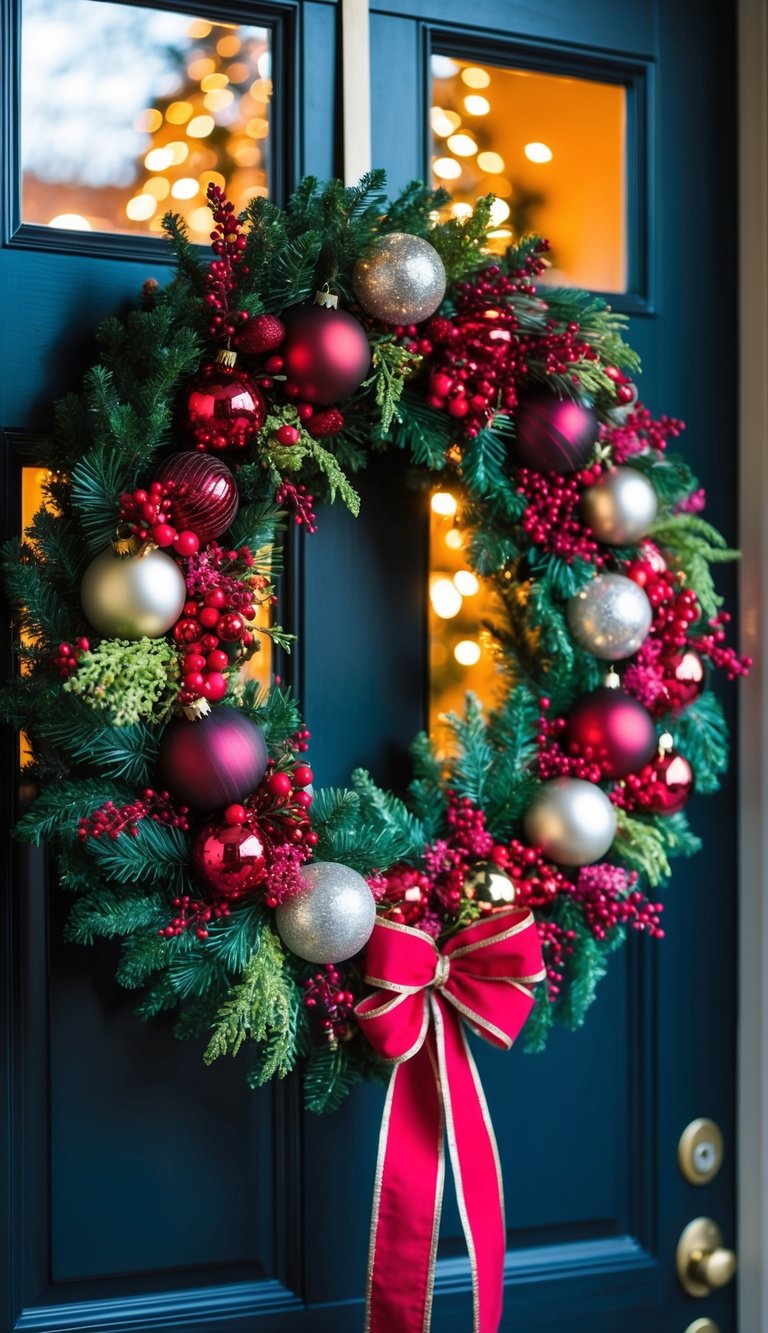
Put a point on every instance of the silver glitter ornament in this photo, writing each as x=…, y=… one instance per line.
x=134, y=596
x=401, y=280
x=620, y=507
x=609, y=617
x=331, y=917
x=486, y=883
x=572, y=822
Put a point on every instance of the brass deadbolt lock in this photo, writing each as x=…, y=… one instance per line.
x=702, y=1261
x=700, y=1151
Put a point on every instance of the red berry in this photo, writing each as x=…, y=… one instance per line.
x=234, y=814
x=186, y=543
x=194, y=681
x=194, y=662
x=302, y=775
x=230, y=627
x=458, y=407
x=208, y=643
x=209, y=617
x=217, y=660
x=214, y=686
x=304, y=799
x=279, y=785
x=287, y=435
x=216, y=597
x=163, y=534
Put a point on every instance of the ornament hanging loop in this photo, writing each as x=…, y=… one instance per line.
x=325, y=297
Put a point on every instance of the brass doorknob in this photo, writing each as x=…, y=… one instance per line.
x=702, y=1260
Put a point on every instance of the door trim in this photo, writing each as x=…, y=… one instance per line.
x=752, y=1094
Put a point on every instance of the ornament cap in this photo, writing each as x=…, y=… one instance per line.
x=194, y=711
x=226, y=357
x=125, y=543
x=325, y=297
x=666, y=742
x=613, y=680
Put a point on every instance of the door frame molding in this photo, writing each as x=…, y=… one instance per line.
x=752, y=1091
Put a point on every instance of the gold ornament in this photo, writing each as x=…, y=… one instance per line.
x=127, y=596
x=486, y=883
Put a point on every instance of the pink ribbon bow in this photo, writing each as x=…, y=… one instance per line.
x=414, y=1019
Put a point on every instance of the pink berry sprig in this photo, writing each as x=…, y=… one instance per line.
x=194, y=914
x=149, y=514
x=228, y=242
x=552, y=519
x=330, y=1002
x=111, y=820
x=223, y=601
x=552, y=760
x=298, y=499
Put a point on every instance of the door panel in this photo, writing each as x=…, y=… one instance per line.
x=129, y=1208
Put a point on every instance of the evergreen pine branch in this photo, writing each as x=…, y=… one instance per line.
x=470, y=766
x=338, y=483
x=694, y=545
x=378, y=806
x=701, y=734
x=89, y=739
x=60, y=807
x=424, y=433
x=330, y=1075
x=640, y=845
x=156, y=853
x=97, y=480
x=364, y=847
x=259, y=1007
x=184, y=251
x=233, y=939
x=109, y=913
x=334, y=808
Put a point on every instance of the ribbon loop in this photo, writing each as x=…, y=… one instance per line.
x=414, y=1019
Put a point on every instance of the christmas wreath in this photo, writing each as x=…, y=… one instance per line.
x=175, y=794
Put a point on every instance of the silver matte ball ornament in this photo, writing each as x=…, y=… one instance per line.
x=401, y=280
x=331, y=917
x=571, y=821
x=487, y=883
x=620, y=507
x=610, y=617
x=134, y=596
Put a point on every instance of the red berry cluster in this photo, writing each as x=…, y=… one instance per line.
x=194, y=914
x=552, y=519
x=552, y=760
x=150, y=515
x=298, y=499
x=639, y=431
x=217, y=613
x=281, y=807
x=468, y=832
x=537, y=881
x=111, y=820
x=556, y=946
x=67, y=657
x=712, y=645
x=228, y=242
x=675, y=608
x=300, y=740
x=331, y=1004
x=624, y=391
x=602, y=894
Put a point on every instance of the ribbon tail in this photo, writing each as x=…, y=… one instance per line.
x=407, y=1199
x=476, y=1168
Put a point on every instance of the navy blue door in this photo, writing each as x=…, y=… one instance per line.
x=145, y=1191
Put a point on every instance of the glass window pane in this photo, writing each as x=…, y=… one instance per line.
x=551, y=148
x=127, y=113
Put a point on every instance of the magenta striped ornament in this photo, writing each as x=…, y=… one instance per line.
x=205, y=500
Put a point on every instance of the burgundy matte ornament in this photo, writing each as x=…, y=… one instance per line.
x=225, y=409
x=553, y=434
x=229, y=860
x=669, y=784
x=684, y=680
x=205, y=498
x=210, y=763
x=614, y=729
x=326, y=353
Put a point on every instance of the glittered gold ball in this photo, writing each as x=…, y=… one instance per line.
x=401, y=280
x=136, y=597
x=486, y=883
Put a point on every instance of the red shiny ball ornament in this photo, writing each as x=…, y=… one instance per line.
x=684, y=680
x=204, y=498
x=326, y=353
x=261, y=334
x=614, y=729
x=210, y=763
x=225, y=409
x=228, y=859
x=279, y=785
x=669, y=784
x=553, y=434
x=230, y=627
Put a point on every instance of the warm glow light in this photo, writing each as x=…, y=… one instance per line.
x=454, y=539
x=446, y=600
x=443, y=67
x=158, y=187
x=462, y=211
x=538, y=152
x=199, y=220
x=179, y=152
x=261, y=90
x=498, y=185
x=158, y=159
x=474, y=77
x=493, y=162
x=200, y=127
x=218, y=98
x=199, y=68
x=444, y=504
x=207, y=178
x=447, y=168
x=141, y=207
x=199, y=28
x=467, y=652
x=476, y=105
x=443, y=122
x=71, y=222
x=501, y=234
x=264, y=64
x=212, y=81
x=238, y=72
x=466, y=582
x=499, y=212
x=247, y=154
x=178, y=113
x=148, y=121
x=228, y=46
x=257, y=128
x=463, y=145
x=186, y=188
